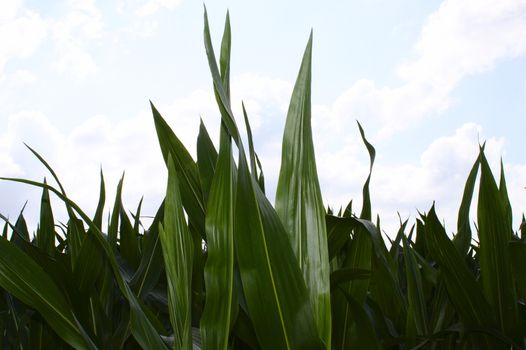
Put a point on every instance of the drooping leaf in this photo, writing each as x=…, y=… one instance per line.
x=358, y=256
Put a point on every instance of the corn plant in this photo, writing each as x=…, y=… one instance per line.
x=220, y=267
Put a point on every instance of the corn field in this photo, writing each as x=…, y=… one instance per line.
x=220, y=267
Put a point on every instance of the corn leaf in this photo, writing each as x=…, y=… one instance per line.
x=150, y=267
x=364, y=326
x=219, y=268
x=141, y=327
x=518, y=257
x=206, y=160
x=358, y=256
x=177, y=253
x=275, y=292
x=298, y=199
x=462, y=287
x=416, y=311
x=27, y=281
x=495, y=232
x=46, y=228
x=191, y=192
x=462, y=239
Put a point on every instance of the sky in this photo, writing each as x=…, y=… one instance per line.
x=428, y=80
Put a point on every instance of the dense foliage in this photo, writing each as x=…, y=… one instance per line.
x=220, y=267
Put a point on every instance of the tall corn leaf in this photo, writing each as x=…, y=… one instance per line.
x=298, y=199
x=191, y=192
x=27, y=281
x=219, y=269
x=495, y=232
x=463, y=289
x=177, y=253
x=273, y=285
x=462, y=239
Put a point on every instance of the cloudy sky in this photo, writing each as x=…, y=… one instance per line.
x=428, y=80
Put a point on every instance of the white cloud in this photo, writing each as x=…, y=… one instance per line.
x=150, y=7
x=72, y=34
x=21, y=32
x=460, y=39
x=146, y=8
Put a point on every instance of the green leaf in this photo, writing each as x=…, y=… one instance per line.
x=358, y=256
x=251, y=152
x=462, y=287
x=416, y=312
x=150, y=267
x=462, y=239
x=518, y=259
x=298, y=199
x=495, y=232
x=177, y=248
x=191, y=192
x=346, y=275
x=129, y=244
x=46, y=228
x=113, y=228
x=219, y=269
x=338, y=233
x=27, y=281
x=142, y=329
x=221, y=302
x=367, y=338
x=275, y=292
x=274, y=288
x=97, y=219
x=206, y=160
x=20, y=231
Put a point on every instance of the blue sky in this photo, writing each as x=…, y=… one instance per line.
x=427, y=80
